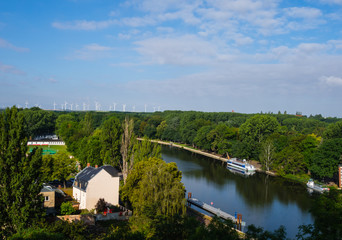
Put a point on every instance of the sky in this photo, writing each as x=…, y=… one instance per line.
x=217, y=55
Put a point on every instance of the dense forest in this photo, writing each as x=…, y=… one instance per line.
x=284, y=143
x=287, y=144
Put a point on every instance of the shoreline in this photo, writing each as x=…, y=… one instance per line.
x=210, y=155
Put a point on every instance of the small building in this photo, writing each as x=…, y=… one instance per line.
x=53, y=198
x=91, y=184
x=45, y=142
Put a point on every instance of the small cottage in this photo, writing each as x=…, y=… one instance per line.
x=93, y=183
x=53, y=198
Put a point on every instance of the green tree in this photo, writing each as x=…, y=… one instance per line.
x=20, y=176
x=219, y=138
x=327, y=210
x=127, y=148
x=201, y=140
x=47, y=168
x=160, y=129
x=154, y=188
x=267, y=155
x=63, y=166
x=334, y=130
x=67, y=208
x=146, y=149
x=326, y=158
x=254, y=131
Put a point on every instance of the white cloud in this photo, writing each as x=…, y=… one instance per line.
x=331, y=80
x=10, y=69
x=52, y=80
x=332, y=1
x=183, y=50
x=83, y=25
x=6, y=44
x=92, y=51
x=303, y=12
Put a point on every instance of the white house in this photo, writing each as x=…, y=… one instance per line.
x=91, y=184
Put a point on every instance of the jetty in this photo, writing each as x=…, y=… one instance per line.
x=216, y=211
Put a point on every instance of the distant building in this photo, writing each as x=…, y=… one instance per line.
x=53, y=198
x=91, y=184
x=44, y=142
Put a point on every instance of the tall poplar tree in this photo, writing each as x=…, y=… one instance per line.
x=20, y=176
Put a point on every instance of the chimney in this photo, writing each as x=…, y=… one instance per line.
x=88, y=164
x=96, y=166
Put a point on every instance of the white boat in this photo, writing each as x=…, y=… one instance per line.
x=235, y=164
x=240, y=172
x=310, y=184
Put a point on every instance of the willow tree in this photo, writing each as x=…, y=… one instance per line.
x=20, y=176
x=154, y=188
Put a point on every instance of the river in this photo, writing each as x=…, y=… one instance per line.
x=263, y=200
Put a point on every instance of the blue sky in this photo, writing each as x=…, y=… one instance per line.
x=218, y=55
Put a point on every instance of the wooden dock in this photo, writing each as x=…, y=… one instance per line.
x=218, y=212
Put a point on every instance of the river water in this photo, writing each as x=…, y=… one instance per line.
x=263, y=200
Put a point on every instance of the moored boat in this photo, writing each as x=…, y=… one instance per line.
x=310, y=184
x=235, y=164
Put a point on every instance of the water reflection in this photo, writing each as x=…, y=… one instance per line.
x=263, y=200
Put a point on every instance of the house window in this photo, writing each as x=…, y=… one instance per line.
x=46, y=198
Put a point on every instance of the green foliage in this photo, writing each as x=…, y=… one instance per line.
x=254, y=131
x=20, y=176
x=39, y=122
x=334, y=130
x=160, y=129
x=327, y=210
x=47, y=168
x=110, y=140
x=326, y=158
x=154, y=188
x=37, y=234
x=63, y=166
x=100, y=205
x=219, y=138
x=201, y=140
x=146, y=149
x=67, y=209
x=257, y=128
x=259, y=233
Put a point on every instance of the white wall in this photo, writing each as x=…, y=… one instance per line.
x=103, y=185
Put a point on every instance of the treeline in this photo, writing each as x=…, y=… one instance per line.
x=287, y=144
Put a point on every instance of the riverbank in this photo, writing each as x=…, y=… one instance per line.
x=256, y=164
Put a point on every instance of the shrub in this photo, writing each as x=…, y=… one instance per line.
x=101, y=205
x=67, y=208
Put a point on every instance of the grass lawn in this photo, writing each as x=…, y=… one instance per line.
x=50, y=149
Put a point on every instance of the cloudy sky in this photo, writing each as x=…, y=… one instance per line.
x=216, y=55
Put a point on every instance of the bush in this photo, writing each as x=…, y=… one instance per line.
x=67, y=208
x=101, y=205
